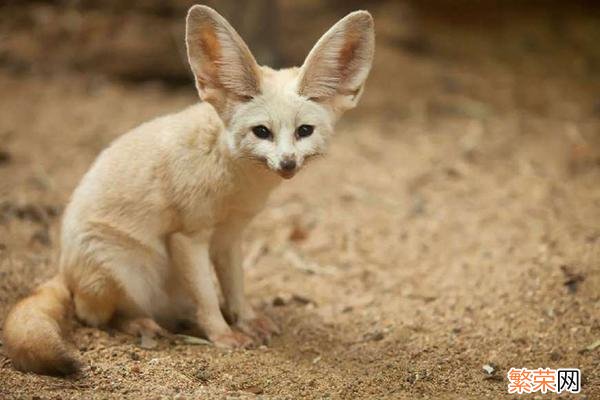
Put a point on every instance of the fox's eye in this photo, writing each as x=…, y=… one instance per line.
x=305, y=130
x=261, y=132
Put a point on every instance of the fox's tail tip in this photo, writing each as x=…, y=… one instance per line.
x=60, y=365
x=33, y=337
x=35, y=345
x=65, y=366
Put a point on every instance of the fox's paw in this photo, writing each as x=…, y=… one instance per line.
x=232, y=340
x=142, y=327
x=261, y=328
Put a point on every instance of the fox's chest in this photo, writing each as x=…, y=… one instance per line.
x=238, y=202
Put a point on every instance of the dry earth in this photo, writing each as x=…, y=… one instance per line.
x=455, y=223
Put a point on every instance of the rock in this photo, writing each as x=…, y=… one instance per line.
x=278, y=301
x=490, y=370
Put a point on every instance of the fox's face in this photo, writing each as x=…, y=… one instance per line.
x=278, y=126
x=281, y=118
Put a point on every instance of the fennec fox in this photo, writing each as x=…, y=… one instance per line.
x=168, y=201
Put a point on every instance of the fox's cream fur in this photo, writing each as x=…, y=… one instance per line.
x=168, y=202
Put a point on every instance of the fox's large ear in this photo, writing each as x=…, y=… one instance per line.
x=337, y=67
x=222, y=64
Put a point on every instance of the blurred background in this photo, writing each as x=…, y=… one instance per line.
x=142, y=40
x=455, y=224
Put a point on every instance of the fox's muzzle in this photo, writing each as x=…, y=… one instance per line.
x=287, y=167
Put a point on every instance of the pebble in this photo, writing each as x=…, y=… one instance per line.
x=254, y=389
x=202, y=375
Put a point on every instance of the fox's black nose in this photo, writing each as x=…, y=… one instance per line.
x=288, y=164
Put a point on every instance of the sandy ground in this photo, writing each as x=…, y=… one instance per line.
x=455, y=223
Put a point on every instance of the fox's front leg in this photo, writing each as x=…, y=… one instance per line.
x=226, y=255
x=193, y=270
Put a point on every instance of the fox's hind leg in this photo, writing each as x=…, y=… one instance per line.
x=100, y=301
x=98, y=308
x=96, y=298
x=118, y=282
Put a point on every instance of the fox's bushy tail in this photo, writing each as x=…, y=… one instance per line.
x=33, y=331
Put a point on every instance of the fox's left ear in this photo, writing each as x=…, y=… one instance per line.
x=337, y=67
x=225, y=70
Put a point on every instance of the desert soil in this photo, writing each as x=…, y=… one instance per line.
x=455, y=223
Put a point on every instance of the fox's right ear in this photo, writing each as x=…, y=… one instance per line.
x=225, y=70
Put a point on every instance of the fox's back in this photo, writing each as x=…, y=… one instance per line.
x=131, y=185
